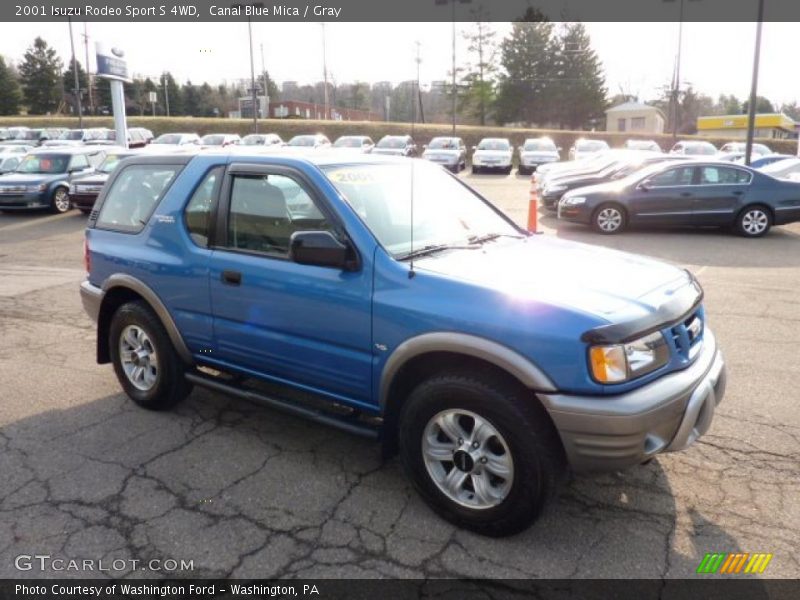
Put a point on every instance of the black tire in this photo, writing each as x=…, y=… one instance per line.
x=170, y=385
x=59, y=196
x=523, y=171
x=475, y=170
x=508, y=170
x=85, y=211
x=754, y=221
x=605, y=210
x=538, y=459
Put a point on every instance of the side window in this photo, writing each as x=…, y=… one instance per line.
x=96, y=158
x=265, y=210
x=134, y=195
x=679, y=176
x=197, y=215
x=723, y=176
x=79, y=161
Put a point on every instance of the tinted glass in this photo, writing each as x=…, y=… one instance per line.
x=198, y=212
x=679, y=176
x=443, y=144
x=133, y=196
x=266, y=210
x=494, y=145
x=544, y=145
x=392, y=142
x=723, y=176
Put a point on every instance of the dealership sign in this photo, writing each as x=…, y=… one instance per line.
x=111, y=63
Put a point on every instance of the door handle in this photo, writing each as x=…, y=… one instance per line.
x=738, y=193
x=686, y=194
x=231, y=277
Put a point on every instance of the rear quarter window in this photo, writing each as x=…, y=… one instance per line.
x=133, y=196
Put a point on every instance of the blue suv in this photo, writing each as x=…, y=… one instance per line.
x=386, y=297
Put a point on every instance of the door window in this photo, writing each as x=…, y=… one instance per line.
x=672, y=177
x=79, y=162
x=198, y=212
x=723, y=176
x=265, y=211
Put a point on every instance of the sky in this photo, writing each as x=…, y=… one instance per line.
x=638, y=58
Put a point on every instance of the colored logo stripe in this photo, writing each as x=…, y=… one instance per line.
x=734, y=563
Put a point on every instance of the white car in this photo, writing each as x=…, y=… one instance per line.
x=535, y=152
x=584, y=148
x=758, y=149
x=493, y=154
x=177, y=139
x=449, y=152
x=354, y=143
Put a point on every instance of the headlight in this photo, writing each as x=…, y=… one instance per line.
x=573, y=200
x=621, y=362
x=37, y=188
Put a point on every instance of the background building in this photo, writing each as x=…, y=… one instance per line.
x=635, y=117
x=293, y=109
x=773, y=125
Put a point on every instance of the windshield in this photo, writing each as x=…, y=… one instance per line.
x=111, y=162
x=168, y=138
x=640, y=145
x=43, y=163
x=443, y=144
x=213, y=140
x=590, y=146
x=545, y=145
x=702, y=148
x=253, y=140
x=348, y=142
x=392, y=142
x=781, y=167
x=445, y=211
x=302, y=140
x=494, y=145
x=72, y=134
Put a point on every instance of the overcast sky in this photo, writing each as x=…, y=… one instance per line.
x=638, y=57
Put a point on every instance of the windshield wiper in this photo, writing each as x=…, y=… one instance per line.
x=433, y=248
x=480, y=239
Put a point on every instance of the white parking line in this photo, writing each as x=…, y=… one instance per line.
x=35, y=221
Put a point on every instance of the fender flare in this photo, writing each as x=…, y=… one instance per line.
x=120, y=280
x=501, y=356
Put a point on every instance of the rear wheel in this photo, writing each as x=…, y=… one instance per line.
x=608, y=219
x=60, y=203
x=475, y=170
x=754, y=221
x=145, y=361
x=482, y=454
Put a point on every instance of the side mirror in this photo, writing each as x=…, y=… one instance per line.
x=644, y=186
x=322, y=249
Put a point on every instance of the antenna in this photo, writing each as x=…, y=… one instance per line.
x=411, y=242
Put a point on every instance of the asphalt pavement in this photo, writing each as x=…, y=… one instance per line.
x=243, y=491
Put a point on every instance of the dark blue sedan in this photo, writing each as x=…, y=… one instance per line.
x=688, y=193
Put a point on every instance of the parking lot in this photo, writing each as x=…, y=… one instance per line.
x=243, y=491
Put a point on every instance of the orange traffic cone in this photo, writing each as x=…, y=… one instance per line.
x=533, y=213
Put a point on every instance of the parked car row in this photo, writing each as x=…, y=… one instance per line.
x=617, y=189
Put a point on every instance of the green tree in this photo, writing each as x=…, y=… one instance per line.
x=728, y=105
x=41, y=78
x=359, y=96
x=10, y=92
x=524, y=91
x=480, y=79
x=763, y=105
x=191, y=100
x=791, y=110
x=174, y=94
x=578, y=78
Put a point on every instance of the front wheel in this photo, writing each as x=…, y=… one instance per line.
x=475, y=170
x=60, y=202
x=145, y=361
x=608, y=219
x=753, y=221
x=483, y=455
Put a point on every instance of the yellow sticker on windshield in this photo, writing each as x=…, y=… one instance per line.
x=352, y=176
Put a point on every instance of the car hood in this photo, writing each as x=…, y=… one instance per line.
x=613, y=286
x=538, y=154
x=93, y=179
x=441, y=152
x=29, y=178
x=390, y=151
x=573, y=182
x=56, y=143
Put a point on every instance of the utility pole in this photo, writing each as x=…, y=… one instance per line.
x=415, y=93
x=166, y=94
x=77, y=79
x=88, y=70
x=325, y=71
x=266, y=89
x=453, y=2
x=676, y=87
x=751, y=109
x=253, y=76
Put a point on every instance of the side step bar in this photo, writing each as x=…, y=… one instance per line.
x=344, y=423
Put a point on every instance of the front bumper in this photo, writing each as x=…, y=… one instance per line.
x=24, y=200
x=578, y=213
x=606, y=433
x=83, y=201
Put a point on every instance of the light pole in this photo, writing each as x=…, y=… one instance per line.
x=166, y=95
x=751, y=108
x=88, y=70
x=77, y=79
x=415, y=93
x=325, y=72
x=266, y=89
x=453, y=18
x=253, y=76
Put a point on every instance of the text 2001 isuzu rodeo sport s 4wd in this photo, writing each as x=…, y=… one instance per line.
x=491, y=359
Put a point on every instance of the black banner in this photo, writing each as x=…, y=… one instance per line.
x=443, y=589
x=399, y=11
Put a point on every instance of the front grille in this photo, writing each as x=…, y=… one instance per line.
x=686, y=335
x=15, y=189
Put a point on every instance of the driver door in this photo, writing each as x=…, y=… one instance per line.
x=666, y=198
x=305, y=325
